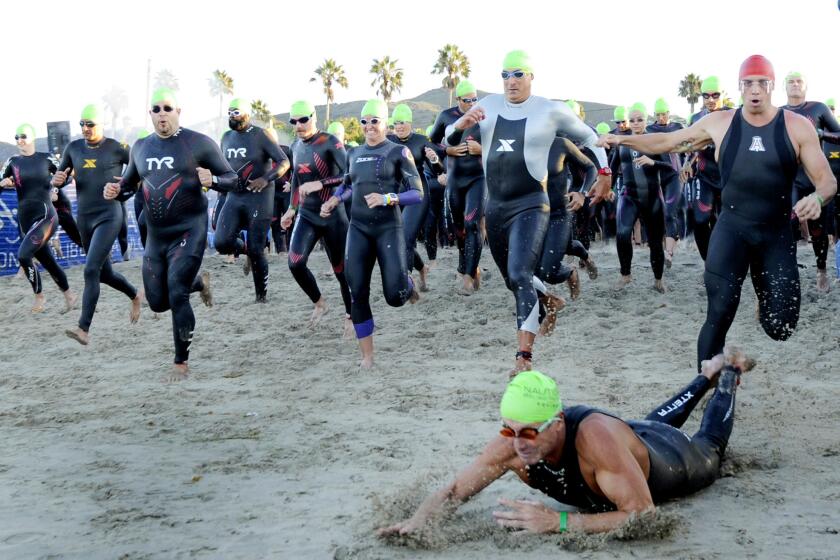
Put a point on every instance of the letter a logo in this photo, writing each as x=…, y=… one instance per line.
x=757, y=145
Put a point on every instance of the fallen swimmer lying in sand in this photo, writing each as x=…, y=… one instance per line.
x=609, y=468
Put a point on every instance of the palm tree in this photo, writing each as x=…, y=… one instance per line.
x=115, y=100
x=221, y=84
x=166, y=79
x=454, y=64
x=260, y=112
x=388, y=76
x=690, y=89
x=330, y=73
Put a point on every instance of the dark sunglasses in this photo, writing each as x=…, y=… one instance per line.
x=400, y=122
x=516, y=74
x=87, y=124
x=374, y=120
x=165, y=109
x=235, y=113
x=469, y=99
x=301, y=120
x=715, y=95
x=526, y=433
x=619, y=122
x=20, y=136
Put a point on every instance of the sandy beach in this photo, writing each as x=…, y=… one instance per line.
x=278, y=447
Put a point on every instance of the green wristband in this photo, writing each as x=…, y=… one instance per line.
x=820, y=199
x=564, y=521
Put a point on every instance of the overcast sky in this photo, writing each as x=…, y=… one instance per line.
x=63, y=55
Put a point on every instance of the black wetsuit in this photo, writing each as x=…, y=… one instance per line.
x=321, y=157
x=466, y=193
x=558, y=237
x=704, y=194
x=376, y=234
x=640, y=197
x=821, y=117
x=753, y=233
x=832, y=154
x=414, y=216
x=37, y=219
x=100, y=220
x=679, y=464
x=252, y=154
x=435, y=219
x=282, y=199
x=671, y=187
x=64, y=209
x=175, y=209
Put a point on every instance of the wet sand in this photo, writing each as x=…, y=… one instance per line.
x=278, y=447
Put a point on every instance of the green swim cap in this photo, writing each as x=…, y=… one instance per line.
x=335, y=128
x=301, y=109
x=640, y=107
x=792, y=75
x=518, y=60
x=530, y=397
x=92, y=113
x=26, y=129
x=162, y=95
x=402, y=112
x=830, y=102
x=574, y=106
x=620, y=114
x=464, y=87
x=375, y=108
x=602, y=128
x=142, y=133
x=242, y=104
x=661, y=106
x=710, y=85
x=429, y=130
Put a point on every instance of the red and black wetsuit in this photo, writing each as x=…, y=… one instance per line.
x=175, y=209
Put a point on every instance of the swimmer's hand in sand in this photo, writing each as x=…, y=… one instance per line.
x=527, y=516
x=406, y=527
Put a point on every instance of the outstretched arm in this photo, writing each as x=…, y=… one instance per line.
x=691, y=139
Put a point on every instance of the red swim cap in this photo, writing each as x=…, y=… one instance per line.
x=756, y=65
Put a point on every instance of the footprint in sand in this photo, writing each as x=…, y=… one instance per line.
x=22, y=538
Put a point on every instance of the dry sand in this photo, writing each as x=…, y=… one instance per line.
x=277, y=447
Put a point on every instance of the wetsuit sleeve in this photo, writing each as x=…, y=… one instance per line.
x=615, y=166
x=295, y=195
x=129, y=182
x=570, y=126
x=66, y=161
x=827, y=120
x=7, y=170
x=209, y=155
x=411, y=191
x=578, y=159
x=52, y=167
x=278, y=157
x=438, y=130
x=345, y=190
x=339, y=156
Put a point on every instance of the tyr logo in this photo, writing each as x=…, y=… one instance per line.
x=236, y=152
x=160, y=162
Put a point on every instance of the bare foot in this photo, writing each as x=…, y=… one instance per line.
x=659, y=285
x=206, y=293
x=421, y=285
x=56, y=245
x=317, y=313
x=246, y=266
x=366, y=363
x=669, y=259
x=521, y=365
x=431, y=264
x=477, y=280
x=134, y=314
x=229, y=259
x=736, y=358
x=574, y=285
x=414, y=297
x=179, y=372
x=591, y=268
x=40, y=303
x=78, y=335
x=349, y=331
x=623, y=282
x=823, y=285
x=467, y=287
x=553, y=304
x=70, y=299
